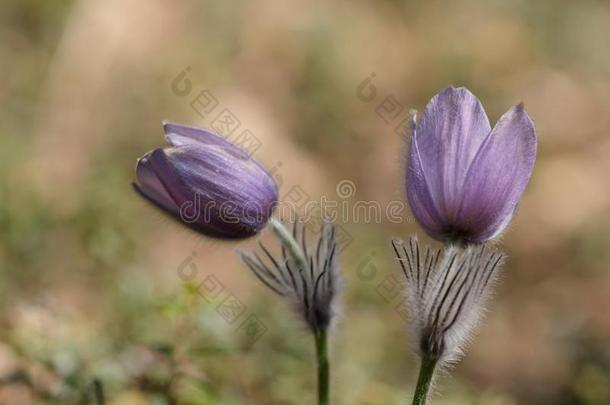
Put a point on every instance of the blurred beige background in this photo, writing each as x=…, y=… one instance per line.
x=89, y=272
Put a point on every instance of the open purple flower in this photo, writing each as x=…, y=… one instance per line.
x=207, y=183
x=464, y=179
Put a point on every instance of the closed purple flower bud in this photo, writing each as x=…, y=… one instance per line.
x=464, y=180
x=208, y=183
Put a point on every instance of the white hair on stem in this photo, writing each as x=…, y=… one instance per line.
x=446, y=293
x=306, y=276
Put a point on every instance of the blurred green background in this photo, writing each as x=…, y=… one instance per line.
x=90, y=275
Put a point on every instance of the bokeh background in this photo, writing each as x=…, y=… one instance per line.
x=92, y=287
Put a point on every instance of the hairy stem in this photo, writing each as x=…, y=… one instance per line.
x=289, y=242
x=424, y=380
x=323, y=367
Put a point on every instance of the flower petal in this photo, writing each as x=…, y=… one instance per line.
x=498, y=175
x=236, y=194
x=149, y=185
x=207, y=183
x=189, y=204
x=168, y=177
x=451, y=131
x=177, y=134
x=418, y=194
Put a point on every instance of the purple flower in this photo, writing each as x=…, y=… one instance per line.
x=207, y=183
x=464, y=179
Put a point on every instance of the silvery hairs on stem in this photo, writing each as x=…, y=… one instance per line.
x=307, y=276
x=446, y=292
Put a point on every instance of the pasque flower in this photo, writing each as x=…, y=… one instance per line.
x=464, y=179
x=207, y=183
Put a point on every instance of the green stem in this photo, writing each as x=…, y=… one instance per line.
x=98, y=391
x=424, y=380
x=323, y=368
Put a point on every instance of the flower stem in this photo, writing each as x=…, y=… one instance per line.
x=323, y=367
x=289, y=242
x=424, y=380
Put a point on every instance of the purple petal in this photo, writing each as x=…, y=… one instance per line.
x=188, y=204
x=451, y=131
x=498, y=175
x=168, y=177
x=418, y=195
x=208, y=183
x=220, y=175
x=230, y=195
x=149, y=185
x=177, y=134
